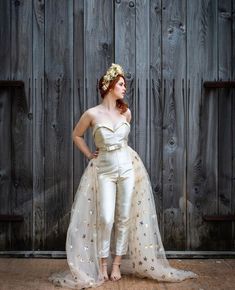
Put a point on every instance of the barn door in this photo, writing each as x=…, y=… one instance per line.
x=16, y=172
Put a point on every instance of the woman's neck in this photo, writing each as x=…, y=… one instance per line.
x=109, y=103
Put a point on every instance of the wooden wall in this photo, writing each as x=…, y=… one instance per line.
x=184, y=133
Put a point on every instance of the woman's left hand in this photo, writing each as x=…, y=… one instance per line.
x=94, y=154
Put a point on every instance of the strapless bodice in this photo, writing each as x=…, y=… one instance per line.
x=105, y=135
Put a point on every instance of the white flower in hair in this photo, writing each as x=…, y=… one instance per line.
x=113, y=71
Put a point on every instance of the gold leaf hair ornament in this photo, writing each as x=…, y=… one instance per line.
x=111, y=74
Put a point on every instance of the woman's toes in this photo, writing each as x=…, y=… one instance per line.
x=115, y=275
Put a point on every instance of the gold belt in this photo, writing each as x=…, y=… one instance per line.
x=113, y=147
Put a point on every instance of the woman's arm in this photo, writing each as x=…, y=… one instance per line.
x=78, y=132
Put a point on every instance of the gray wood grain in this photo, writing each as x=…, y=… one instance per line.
x=174, y=162
x=156, y=106
x=99, y=47
x=38, y=92
x=78, y=88
x=225, y=142
x=5, y=125
x=233, y=119
x=142, y=43
x=22, y=124
x=202, y=146
x=58, y=121
x=125, y=55
x=5, y=166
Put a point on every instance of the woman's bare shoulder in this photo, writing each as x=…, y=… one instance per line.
x=128, y=111
x=127, y=114
x=92, y=111
x=91, y=114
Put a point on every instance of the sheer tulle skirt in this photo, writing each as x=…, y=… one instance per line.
x=145, y=256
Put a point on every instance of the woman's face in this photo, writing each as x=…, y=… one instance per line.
x=119, y=89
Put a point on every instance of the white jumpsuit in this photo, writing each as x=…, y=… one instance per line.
x=115, y=175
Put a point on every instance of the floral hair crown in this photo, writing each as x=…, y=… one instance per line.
x=111, y=74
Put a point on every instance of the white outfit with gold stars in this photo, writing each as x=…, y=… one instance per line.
x=115, y=188
x=115, y=174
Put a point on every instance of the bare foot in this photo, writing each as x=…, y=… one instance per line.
x=116, y=274
x=104, y=270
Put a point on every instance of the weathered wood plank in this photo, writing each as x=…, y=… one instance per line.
x=219, y=218
x=79, y=82
x=174, y=162
x=169, y=254
x=5, y=125
x=58, y=121
x=38, y=125
x=156, y=105
x=233, y=120
x=11, y=218
x=125, y=54
x=10, y=83
x=219, y=84
x=5, y=166
x=202, y=145
x=22, y=170
x=225, y=125
x=99, y=49
x=142, y=42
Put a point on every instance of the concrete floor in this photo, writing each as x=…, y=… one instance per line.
x=28, y=273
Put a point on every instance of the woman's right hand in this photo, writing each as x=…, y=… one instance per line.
x=93, y=154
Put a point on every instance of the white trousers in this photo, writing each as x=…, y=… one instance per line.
x=115, y=184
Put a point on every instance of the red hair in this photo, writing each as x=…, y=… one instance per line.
x=120, y=104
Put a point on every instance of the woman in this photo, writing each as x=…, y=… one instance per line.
x=113, y=211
